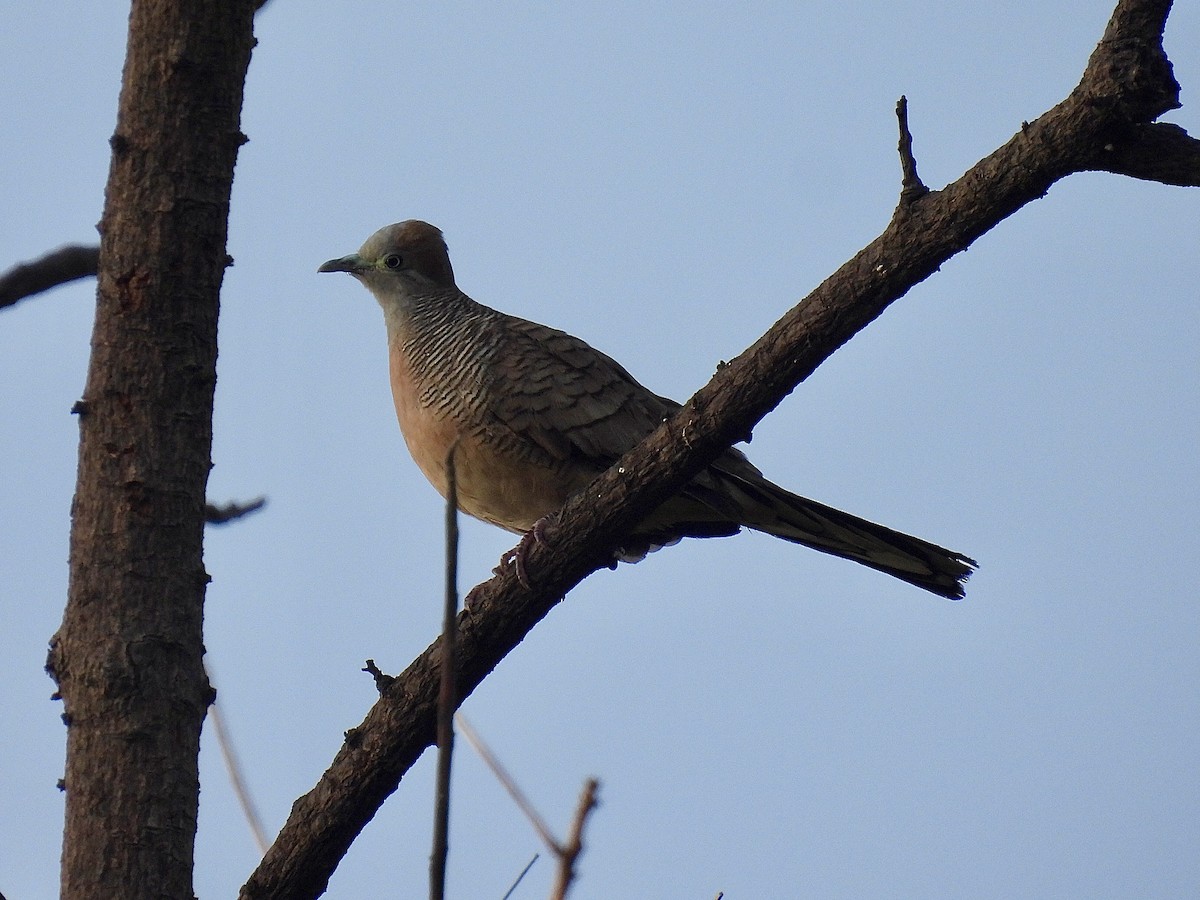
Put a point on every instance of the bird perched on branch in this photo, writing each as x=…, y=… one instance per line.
x=537, y=414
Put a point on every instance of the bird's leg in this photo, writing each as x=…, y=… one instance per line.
x=516, y=557
x=535, y=535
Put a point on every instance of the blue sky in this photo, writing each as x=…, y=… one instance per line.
x=665, y=180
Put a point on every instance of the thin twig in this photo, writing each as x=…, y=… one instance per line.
x=569, y=853
x=489, y=759
x=524, y=872
x=566, y=853
x=234, y=767
x=911, y=186
x=447, y=699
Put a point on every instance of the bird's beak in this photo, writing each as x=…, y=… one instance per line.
x=352, y=263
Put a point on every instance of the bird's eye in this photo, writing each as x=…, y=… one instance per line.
x=393, y=261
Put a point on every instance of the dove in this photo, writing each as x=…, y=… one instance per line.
x=535, y=414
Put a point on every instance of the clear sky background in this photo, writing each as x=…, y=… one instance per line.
x=665, y=180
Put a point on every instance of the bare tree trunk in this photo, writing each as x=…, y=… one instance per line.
x=128, y=657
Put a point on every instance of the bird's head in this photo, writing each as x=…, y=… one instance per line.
x=406, y=258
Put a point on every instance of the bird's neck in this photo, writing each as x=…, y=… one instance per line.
x=415, y=316
x=441, y=335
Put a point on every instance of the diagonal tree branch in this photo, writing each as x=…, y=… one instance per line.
x=1127, y=84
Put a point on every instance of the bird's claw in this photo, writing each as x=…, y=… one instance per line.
x=516, y=558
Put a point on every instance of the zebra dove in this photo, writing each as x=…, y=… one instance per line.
x=537, y=414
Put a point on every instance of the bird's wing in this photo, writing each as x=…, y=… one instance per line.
x=566, y=398
x=558, y=397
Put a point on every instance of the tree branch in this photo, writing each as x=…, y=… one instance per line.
x=231, y=511
x=911, y=186
x=57, y=267
x=568, y=853
x=1127, y=84
x=1159, y=152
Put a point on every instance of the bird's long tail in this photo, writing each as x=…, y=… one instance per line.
x=771, y=509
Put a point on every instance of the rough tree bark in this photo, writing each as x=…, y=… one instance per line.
x=127, y=657
x=1106, y=124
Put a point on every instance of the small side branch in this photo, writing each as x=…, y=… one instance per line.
x=383, y=681
x=568, y=854
x=68, y=263
x=911, y=186
x=223, y=515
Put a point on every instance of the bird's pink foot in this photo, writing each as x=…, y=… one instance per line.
x=516, y=557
